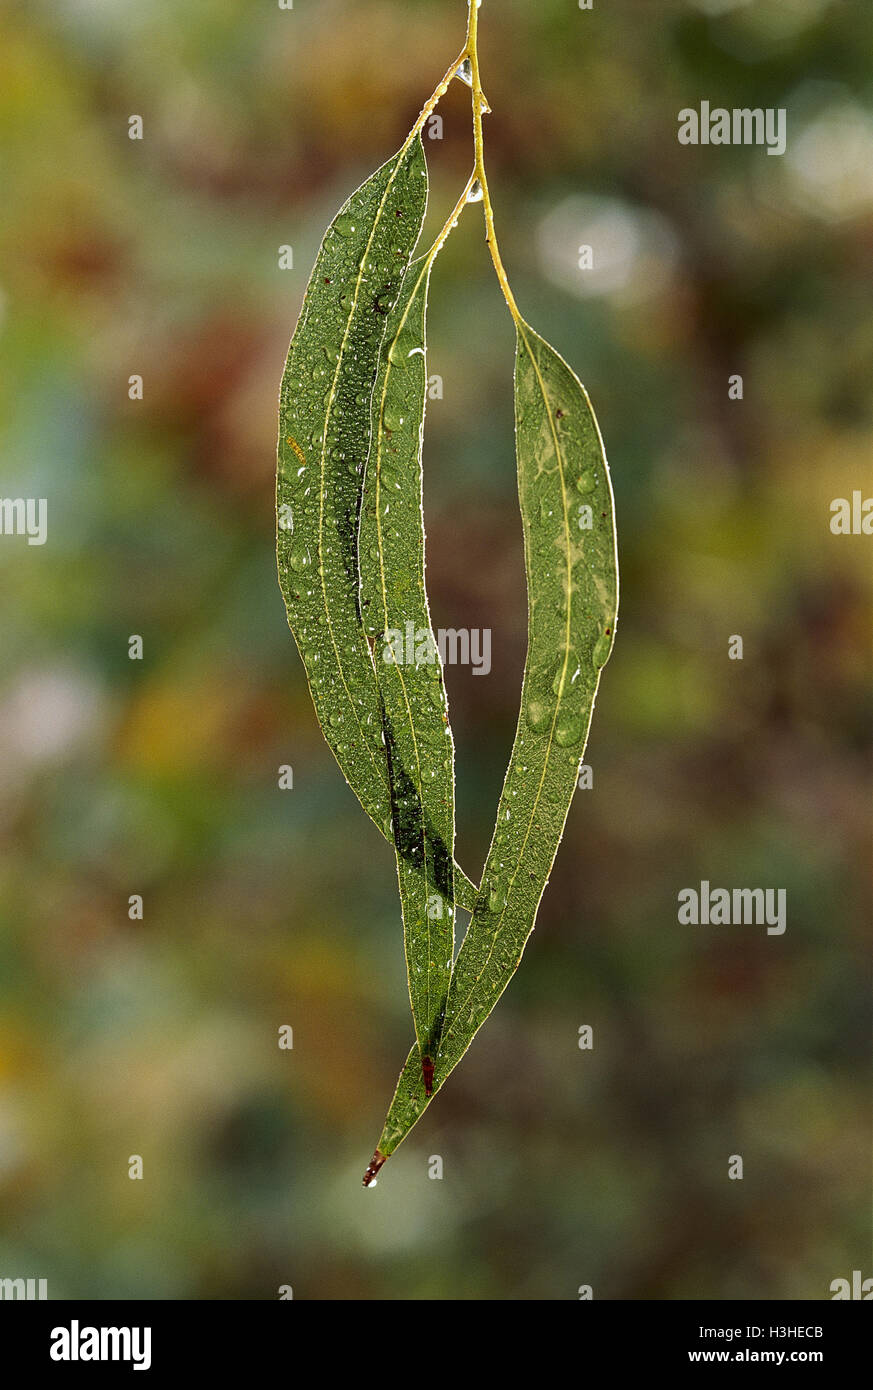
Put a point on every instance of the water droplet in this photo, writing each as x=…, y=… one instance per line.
x=602, y=648
x=390, y=481
x=402, y=349
x=299, y=558
x=569, y=731
x=392, y=417
x=344, y=225
x=497, y=895
x=585, y=482
x=538, y=715
x=476, y=193
x=465, y=72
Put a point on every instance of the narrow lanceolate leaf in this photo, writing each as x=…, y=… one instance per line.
x=408, y=668
x=323, y=444
x=572, y=576
x=324, y=440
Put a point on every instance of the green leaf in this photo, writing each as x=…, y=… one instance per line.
x=408, y=669
x=572, y=576
x=324, y=440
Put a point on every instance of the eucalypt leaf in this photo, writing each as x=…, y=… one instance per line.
x=324, y=440
x=572, y=576
x=323, y=445
x=396, y=615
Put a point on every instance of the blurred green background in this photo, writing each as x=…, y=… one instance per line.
x=265, y=907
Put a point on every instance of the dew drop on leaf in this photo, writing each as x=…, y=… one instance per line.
x=392, y=416
x=497, y=895
x=601, y=650
x=538, y=715
x=569, y=731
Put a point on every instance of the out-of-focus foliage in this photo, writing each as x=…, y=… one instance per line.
x=264, y=907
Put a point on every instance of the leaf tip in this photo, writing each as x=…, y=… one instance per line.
x=373, y=1167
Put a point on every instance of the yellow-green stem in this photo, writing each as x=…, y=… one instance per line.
x=478, y=102
x=434, y=99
